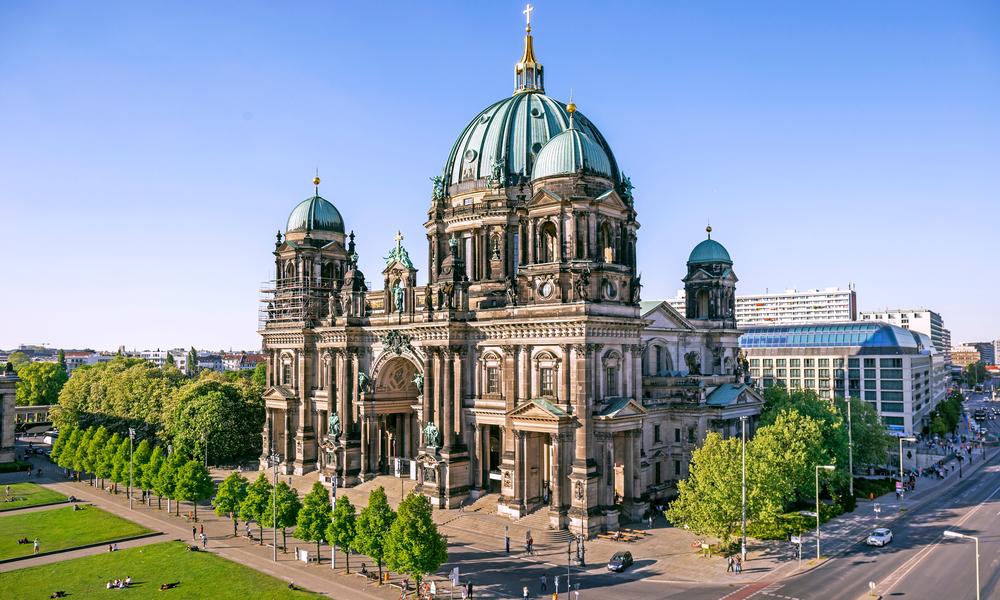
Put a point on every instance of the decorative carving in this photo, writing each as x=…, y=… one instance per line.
x=364, y=383
x=396, y=342
x=334, y=428
x=636, y=288
x=626, y=188
x=428, y=298
x=693, y=361
x=437, y=191
x=430, y=474
x=717, y=359
x=578, y=490
x=497, y=177
x=511, y=291
x=507, y=479
x=742, y=365
x=582, y=285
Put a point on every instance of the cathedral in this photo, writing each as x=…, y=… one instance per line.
x=525, y=364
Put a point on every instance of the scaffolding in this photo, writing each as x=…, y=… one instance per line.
x=294, y=301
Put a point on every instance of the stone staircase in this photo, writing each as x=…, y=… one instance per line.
x=485, y=504
x=538, y=523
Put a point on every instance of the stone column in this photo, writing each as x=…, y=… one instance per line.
x=636, y=464
x=565, y=368
x=435, y=378
x=365, y=450
x=353, y=395
x=530, y=241
x=477, y=479
x=555, y=502
x=457, y=364
x=628, y=470
x=637, y=372
x=448, y=400
x=509, y=382
x=626, y=370
x=523, y=390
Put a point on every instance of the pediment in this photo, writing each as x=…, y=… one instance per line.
x=537, y=409
x=611, y=198
x=279, y=392
x=398, y=265
x=664, y=316
x=622, y=408
x=543, y=197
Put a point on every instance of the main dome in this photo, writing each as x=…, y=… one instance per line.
x=514, y=130
x=315, y=214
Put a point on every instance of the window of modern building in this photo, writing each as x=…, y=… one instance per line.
x=779, y=362
x=794, y=362
x=854, y=384
x=824, y=372
x=824, y=384
x=492, y=380
x=810, y=372
x=781, y=373
x=810, y=362
x=869, y=363
x=754, y=362
x=892, y=385
x=898, y=421
x=838, y=363
x=869, y=373
x=768, y=362
x=853, y=363
x=892, y=363
x=870, y=396
x=810, y=384
x=824, y=362
x=891, y=373
x=892, y=396
x=795, y=372
x=546, y=377
x=824, y=393
x=895, y=407
x=854, y=373
x=869, y=384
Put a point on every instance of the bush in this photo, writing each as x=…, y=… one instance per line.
x=863, y=488
x=14, y=467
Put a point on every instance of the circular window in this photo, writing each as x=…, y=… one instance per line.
x=536, y=147
x=545, y=289
x=610, y=289
x=470, y=155
x=535, y=112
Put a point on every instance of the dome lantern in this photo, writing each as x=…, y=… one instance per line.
x=528, y=72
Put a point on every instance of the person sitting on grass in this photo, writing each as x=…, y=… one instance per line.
x=128, y=580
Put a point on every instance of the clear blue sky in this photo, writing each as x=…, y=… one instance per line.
x=149, y=151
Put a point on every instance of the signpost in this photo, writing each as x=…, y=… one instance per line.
x=878, y=509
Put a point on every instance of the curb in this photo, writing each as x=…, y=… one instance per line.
x=83, y=547
x=13, y=510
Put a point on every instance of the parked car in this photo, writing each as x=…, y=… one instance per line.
x=620, y=561
x=880, y=537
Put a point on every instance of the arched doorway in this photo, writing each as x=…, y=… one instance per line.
x=396, y=433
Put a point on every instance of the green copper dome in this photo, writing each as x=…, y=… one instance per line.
x=514, y=131
x=315, y=214
x=571, y=151
x=709, y=251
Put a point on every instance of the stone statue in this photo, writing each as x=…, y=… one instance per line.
x=496, y=248
x=717, y=359
x=693, y=360
x=397, y=296
x=511, y=291
x=418, y=380
x=496, y=178
x=364, y=383
x=636, y=288
x=582, y=285
x=742, y=365
x=447, y=296
x=627, y=187
x=438, y=190
x=431, y=436
x=334, y=429
x=428, y=298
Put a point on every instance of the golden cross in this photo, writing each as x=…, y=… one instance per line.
x=527, y=13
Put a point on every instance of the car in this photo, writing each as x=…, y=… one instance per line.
x=620, y=561
x=880, y=537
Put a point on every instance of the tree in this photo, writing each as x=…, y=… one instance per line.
x=781, y=459
x=170, y=360
x=106, y=458
x=60, y=443
x=288, y=504
x=149, y=473
x=232, y=491
x=314, y=518
x=938, y=426
x=213, y=409
x=95, y=450
x=18, y=359
x=341, y=529
x=709, y=500
x=61, y=359
x=192, y=362
x=40, y=383
x=193, y=484
x=255, y=504
x=259, y=377
x=121, y=463
x=373, y=526
x=871, y=441
x=140, y=458
x=70, y=440
x=414, y=545
x=79, y=462
x=166, y=479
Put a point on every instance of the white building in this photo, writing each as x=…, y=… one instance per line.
x=159, y=358
x=898, y=372
x=791, y=306
x=923, y=320
x=76, y=359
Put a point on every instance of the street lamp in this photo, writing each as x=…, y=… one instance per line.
x=131, y=438
x=743, y=522
x=825, y=468
x=957, y=535
x=275, y=459
x=901, y=440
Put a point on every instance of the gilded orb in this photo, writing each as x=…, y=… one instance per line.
x=571, y=108
x=315, y=180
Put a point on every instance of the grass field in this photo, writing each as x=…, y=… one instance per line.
x=28, y=494
x=200, y=574
x=61, y=528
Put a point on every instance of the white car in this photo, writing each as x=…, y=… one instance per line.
x=880, y=537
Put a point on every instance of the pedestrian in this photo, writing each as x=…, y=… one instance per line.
x=468, y=588
x=194, y=532
x=524, y=593
x=650, y=520
x=731, y=565
x=204, y=541
x=542, y=581
x=36, y=545
x=201, y=529
x=434, y=589
x=739, y=565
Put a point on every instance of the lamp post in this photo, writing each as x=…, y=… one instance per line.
x=901, y=440
x=957, y=535
x=275, y=459
x=825, y=468
x=743, y=520
x=333, y=506
x=131, y=438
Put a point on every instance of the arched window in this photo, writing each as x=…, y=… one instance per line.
x=702, y=305
x=606, y=242
x=290, y=269
x=548, y=243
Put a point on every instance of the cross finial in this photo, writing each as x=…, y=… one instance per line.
x=399, y=240
x=527, y=14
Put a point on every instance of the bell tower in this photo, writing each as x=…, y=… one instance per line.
x=710, y=285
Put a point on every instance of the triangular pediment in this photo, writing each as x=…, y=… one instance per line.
x=611, y=198
x=278, y=392
x=543, y=197
x=664, y=316
x=537, y=409
x=622, y=408
x=398, y=265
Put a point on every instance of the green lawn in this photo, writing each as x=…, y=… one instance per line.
x=61, y=528
x=27, y=494
x=200, y=574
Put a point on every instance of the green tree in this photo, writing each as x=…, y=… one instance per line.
x=259, y=377
x=79, y=462
x=194, y=484
x=106, y=458
x=40, y=383
x=341, y=529
x=18, y=359
x=61, y=359
x=170, y=362
x=709, y=500
x=192, y=362
x=60, y=444
x=314, y=518
x=781, y=459
x=95, y=450
x=120, y=464
x=373, y=526
x=150, y=472
x=414, y=545
x=165, y=484
x=871, y=441
x=288, y=505
x=232, y=491
x=141, y=454
x=255, y=504
x=216, y=410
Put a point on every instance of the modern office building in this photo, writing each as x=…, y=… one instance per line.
x=159, y=357
x=963, y=356
x=987, y=351
x=899, y=372
x=923, y=320
x=791, y=306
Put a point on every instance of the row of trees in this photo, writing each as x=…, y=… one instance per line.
x=104, y=456
x=946, y=416
x=406, y=542
x=798, y=431
x=221, y=411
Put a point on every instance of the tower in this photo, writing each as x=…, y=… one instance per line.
x=710, y=290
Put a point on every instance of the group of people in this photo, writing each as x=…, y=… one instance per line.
x=119, y=584
x=735, y=564
x=113, y=548
x=195, y=534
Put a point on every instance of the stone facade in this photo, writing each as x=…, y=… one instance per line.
x=8, y=385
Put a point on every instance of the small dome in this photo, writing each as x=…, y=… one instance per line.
x=569, y=152
x=315, y=214
x=709, y=251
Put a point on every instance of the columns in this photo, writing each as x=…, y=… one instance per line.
x=558, y=441
x=628, y=468
x=637, y=372
x=477, y=480
x=365, y=454
x=353, y=392
x=625, y=371
x=456, y=398
x=531, y=241
x=447, y=399
x=565, y=366
x=509, y=381
x=435, y=378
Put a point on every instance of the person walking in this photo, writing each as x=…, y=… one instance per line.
x=36, y=545
x=201, y=529
x=524, y=593
x=204, y=541
x=739, y=565
x=542, y=580
x=730, y=564
x=194, y=532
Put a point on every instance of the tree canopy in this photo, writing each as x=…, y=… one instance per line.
x=373, y=526
x=193, y=484
x=255, y=503
x=286, y=499
x=220, y=412
x=709, y=500
x=342, y=527
x=414, y=545
x=315, y=516
x=40, y=383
